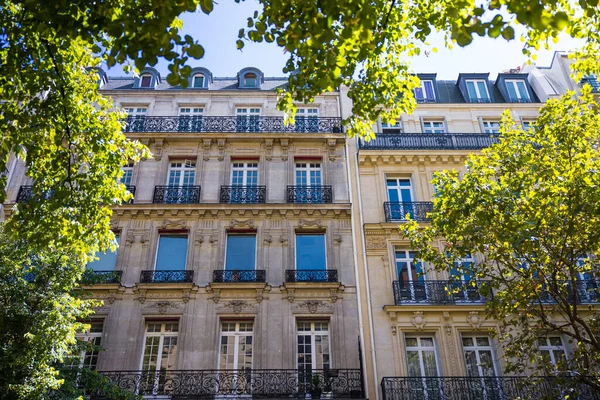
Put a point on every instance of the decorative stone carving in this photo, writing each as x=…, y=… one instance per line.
x=418, y=320
x=474, y=320
x=268, y=240
x=169, y=224
x=268, y=149
x=221, y=146
x=446, y=316
x=237, y=305
x=162, y=306
x=158, y=148
x=214, y=238
x=284, y=148
x=304, y=223
x=394, y=330
x=376, y=243
x=206, y=143
x=241, y=223
x=337, y=239
x=331, y=144
x=198, y=238
x=312, y=305
x=129, y=239
x=283, y=239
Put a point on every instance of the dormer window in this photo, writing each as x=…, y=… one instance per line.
x=145, y=80
x=250, y=80
x=425, y=93
x=478, y=91
x=198, y=81
x=517, y=91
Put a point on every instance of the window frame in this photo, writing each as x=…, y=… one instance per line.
x=187, y=249
x=547, y=346
x=478, y=96
x=477, y=348
x=192, y=111
x=309, y=166
x=89, y=336
x=387, y=129
x=323, y=235
x=249, y=234
x=127, y=171
x=519, y=98
x=237, y=334
x=144, y=76
x=245, y=169
x=313, y=333
x=162, y=334
x=245, y=80
x=199, y=75
x=182, y=169
x=419, y=348
x=489, y=125
x=434, y=130
x=425, y=99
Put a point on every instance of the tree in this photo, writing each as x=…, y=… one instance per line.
x=70, y=138
x=530, y=206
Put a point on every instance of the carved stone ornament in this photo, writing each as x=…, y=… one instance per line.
x=268, y=240
x=237, y=305
x=418, y=320
x=206, y=148
x=241, y=223
x=304, y=223
x=394, y=330
x=221, y=146
x=474, y=319
x=268, y=149
x=376, y=243
x=331, y=143
x=284, y=148
x=337, y=239
x=312, y=305
x=158, y=149
x=283, y=239
x=162, y=306
x=178, y=224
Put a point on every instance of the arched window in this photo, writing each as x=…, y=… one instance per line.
x=145, y=80
x=250, y=80
x=198, y=81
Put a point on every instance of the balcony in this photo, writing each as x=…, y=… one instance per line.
x=429, y=141
x=210, y=124
x=309, y=194
x=91, y=277
x=131, y=189
x=25, y=194
x=593, y=82
x=487, y=388
x=176, y=194
x=441, y=292
x=246, y=383
x=239, y=276
x=167, y=276
x=576, y=292
x=311, y=275
x=416, y=209
x=243, y=194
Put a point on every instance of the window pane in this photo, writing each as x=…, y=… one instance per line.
x=523, y=90
x=429, y=94
x=199, y=81
x=512, y=94
x=146, y=80
x=106, y=261
x=172, y=251
x=483, y=94
x=241, y=252
x=310, y=252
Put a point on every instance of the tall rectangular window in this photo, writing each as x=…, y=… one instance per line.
x=411, y=277
x=181, y=173
x=517, y=90
x=433, y=126
x=172, y=252
x=106, y=261
x=241, y=252
x=308, y=174
x=400, y=197
x=490, y=126
x=307, y=119
x=425, y=93
x=421, y=356
x=477, y=90
x=310, y=252
x=235, y=350
x=92, y=340
x=247, y=119
x=244, y=173
x=313, y=347
x=479, y=356
x=127, y=174
x=552, y=349
x=160, y=346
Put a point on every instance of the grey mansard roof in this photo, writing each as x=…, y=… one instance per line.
x=125, y=83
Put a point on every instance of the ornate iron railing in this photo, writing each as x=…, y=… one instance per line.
x=167, y=276
x=429, y=141
x=593, y=82
x=196, y=124
x=485, y=388
x=25, y=194
x=441, y=292
x=416, y=209
x=311, y=275
x=243, y=194
x=91, y=277
x=334, y=383
x=131, y=189
x=176, y=194
x=309, y=194
x=239, y=276
x=580, y=291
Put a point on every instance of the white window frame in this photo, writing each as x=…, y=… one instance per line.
x=237, y=334
x=194, y=81
x=191, y=111
x=307, y=112
x=308, y=167
x=425, y=99
x=420, y=348
x=478, y=95
x=514, y=83
x=428, y=125
x=399, y=188
x=546, y=346
x=477, y=348
x=162, y=334
x=127, y=172
x=397, y=127
x=411, y=262
x=136, y=111
x=490, y=126
x=247, y=111
x=246, y=166
x=89, y=337
x=186, y=166
x=313, y=333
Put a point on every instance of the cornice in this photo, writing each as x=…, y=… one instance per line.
x=414, y=157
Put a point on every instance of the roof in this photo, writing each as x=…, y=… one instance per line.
x=228, y=83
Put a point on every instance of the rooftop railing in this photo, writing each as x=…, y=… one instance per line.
x=429, y=141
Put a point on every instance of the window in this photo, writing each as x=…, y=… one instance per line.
x=250, y=80
x=308, y=174
x=247, y=119
x=313, y=347
x=552, y=349
x=307, y=120
x=191, y=111
x=490, y=126
x=431, y=126
x=198, y=81
x=477, y=90
x=421, y=357
x=463, y=280
x=160, y=349
x=425, y=93
x=145, y=81
x=172, y=253
x=396, y=127
x=181, y=173
x=91, y=341
x=591, y=80
x=479, y=356
x=400, y=198
x=136, y=111
x=310, y=252
x=235, y=351
x=244, y=183
x=240, y=253
x=190, y=119
x=411, y=276
x=106, y=261
x=127, y=174
x=527, y=124
x=517, y=91
x=244, y=174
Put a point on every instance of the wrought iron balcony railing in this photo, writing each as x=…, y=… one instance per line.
x=205, y=124
x=429, y=141
x=176, y=194
x=266, y=383
x=311, y=275
x=580, y=291
x=416, y=209
x=441, y=292
x=167, y=276
x=309, y=194
x=239, y=276
x=593, y=82
x=243, y=194
x=25, y=194
x=91, y=277
x=485, y=388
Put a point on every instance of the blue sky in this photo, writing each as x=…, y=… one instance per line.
x=218, y=32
